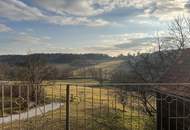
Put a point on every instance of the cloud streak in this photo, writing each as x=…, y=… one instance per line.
x=75, y=12
x=16, y=10
x=4, y=28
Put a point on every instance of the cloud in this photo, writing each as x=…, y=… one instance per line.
x=91, y=13
x=110, y=44
x=126, y=43
x=136, y=43
x=95, y=13
x=116, y=44
x=162, y=10
x=119, y=44
x=73, y=7
x=166, y=10
x=61, y=20
x=21, y=42
x=4, y=28
x=25, y=38
x=16, y=10
x=116, y=39
x=87, y=7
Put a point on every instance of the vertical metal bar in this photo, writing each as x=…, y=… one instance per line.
x=28, y=105
x=123, y=114
x=2, y=104
x=176, y=114
x=60, y=112
x=108, y=99
x=85, y=123
x=92, y=92
x=67, y=107
x=161, y=107
x=155, y=106
x=77, y=106
x=138, y=102
x=184, y=114
x=115, y=97
x=52, y=101
x=112, y=104
x=131, y=107
x=11, y=96
x=122, y=91
x=169, y=116
x=36, y=102
x=20, y=107
x=100, y=100
x=44, y=104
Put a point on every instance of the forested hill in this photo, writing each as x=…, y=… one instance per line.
x=56, y=58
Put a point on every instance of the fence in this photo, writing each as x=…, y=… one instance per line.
x=91, y=106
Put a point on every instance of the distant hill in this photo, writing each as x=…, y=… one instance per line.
x=79, y=59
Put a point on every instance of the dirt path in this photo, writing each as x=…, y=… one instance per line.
x=31, y=113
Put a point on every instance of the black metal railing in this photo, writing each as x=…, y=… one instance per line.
x=90, y=106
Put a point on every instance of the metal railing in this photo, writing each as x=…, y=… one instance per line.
x=90, y=106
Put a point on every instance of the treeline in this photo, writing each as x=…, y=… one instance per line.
x=54, y=58
x=12, y=67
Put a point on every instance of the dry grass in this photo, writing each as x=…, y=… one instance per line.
x=109, y=66
x=89, y=107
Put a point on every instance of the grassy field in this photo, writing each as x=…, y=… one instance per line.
x=107, y=66
x=90, y=108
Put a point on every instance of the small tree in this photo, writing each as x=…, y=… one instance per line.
x=4, y=71
x=35, y=70
x=96, y=73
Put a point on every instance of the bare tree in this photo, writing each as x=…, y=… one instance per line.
x=97, y=74
x=4, y=71
x=149, y=67
x=179, y=31
x=35, y=70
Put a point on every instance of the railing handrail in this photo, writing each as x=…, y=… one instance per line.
x=129, y=84
x=104, y=84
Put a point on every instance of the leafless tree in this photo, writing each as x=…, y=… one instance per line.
x=4, y=70
x=149, y=67
x=97, y=74
x=179, y=31
x=35, y=70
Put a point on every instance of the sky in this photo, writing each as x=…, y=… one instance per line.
x=111, y=27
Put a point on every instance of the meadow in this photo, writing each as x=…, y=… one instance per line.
x=91, y=108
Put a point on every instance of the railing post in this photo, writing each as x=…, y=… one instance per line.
x=67, y=107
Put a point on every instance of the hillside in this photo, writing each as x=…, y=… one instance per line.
x=62, y=64
x=57, y=58
x=107, y=67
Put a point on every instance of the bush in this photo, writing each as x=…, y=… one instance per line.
x=109, y=121
x=150, y=124
x=20, y=96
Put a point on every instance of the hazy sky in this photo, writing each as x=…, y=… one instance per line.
x=85, y=26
